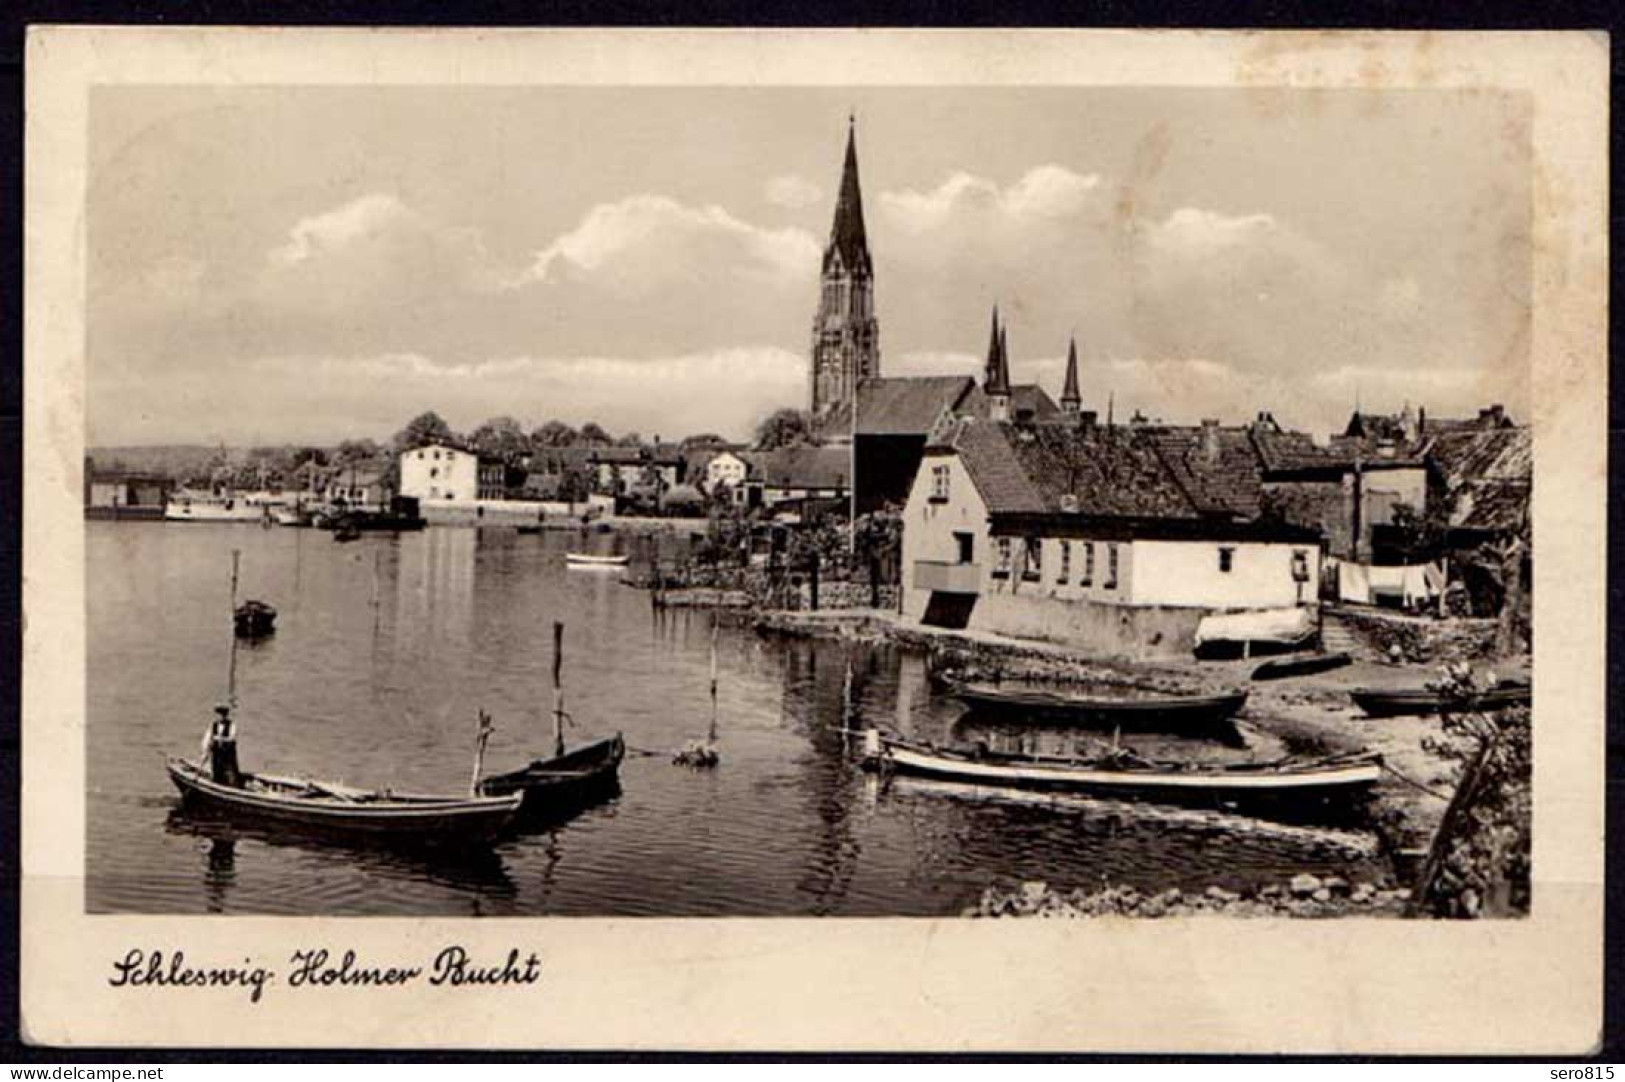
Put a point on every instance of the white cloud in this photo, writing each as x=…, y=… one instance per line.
x=342, y=226
x=792, y=190
x=648, y=236
x=1191, y=232
x=1044, y=192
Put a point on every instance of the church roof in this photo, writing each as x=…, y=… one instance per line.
x=847, y=236
x=901, y=405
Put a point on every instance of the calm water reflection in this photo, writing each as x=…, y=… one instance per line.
x=386, y=648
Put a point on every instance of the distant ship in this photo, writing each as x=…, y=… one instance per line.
x=185, y=505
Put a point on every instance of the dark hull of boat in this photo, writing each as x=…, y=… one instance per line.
x=561, y=786
x=1171, y=713
x=1300, y=666
x=1384, y=704
x=402, y=820
x=1342, y=780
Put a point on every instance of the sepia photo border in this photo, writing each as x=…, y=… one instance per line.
x=1531, y=986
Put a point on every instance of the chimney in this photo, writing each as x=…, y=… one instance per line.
x=1421, y=421
x=1407, y=424
x=1492, y=416
x=1210, y=439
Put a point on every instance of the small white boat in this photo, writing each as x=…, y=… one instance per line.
x=582, y=559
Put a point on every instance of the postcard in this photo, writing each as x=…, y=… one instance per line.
x=810, y=541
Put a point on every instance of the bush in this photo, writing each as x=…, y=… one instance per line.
x=1479, y=864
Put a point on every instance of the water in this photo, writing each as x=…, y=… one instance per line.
x=387, y=693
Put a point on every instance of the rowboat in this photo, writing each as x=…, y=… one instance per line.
x=1301, y=665
x=1127, y=774
x=582, y=559
x=1149, y=711
x=254, y=620
x=329, y=807
x=1381, y=703
x=563, y=783
x=568, y=781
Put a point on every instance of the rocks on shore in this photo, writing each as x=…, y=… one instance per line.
x=1302, y=896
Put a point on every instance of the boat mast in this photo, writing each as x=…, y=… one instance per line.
x=558, y=688
x=231, y=669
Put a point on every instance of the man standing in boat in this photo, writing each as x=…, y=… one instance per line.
x=220, y=749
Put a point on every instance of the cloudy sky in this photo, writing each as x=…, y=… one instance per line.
x=272, y=264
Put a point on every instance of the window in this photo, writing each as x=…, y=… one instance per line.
x=1088, y=564
x=939, y=484
x=1227, y=558
x=1111, y=567
x=434, y=471
x=1300, y=565
x=967, y=547
x=1032, y=561
x=1066, y=562
x=1001, y=562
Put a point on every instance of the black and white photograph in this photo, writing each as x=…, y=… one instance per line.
x=998, y=501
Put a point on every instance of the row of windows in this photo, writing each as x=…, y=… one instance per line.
x=1032, y=562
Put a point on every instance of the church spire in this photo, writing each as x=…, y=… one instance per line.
x=846, y=335
x=847, y=236
x=990, y=369
x=1071, y=401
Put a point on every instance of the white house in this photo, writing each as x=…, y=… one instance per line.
x=1071, y=532
x=725, y=468
x=439, y=471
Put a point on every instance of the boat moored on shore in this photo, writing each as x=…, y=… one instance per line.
x=1126, y=774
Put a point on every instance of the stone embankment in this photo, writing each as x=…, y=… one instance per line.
x=1303, y=896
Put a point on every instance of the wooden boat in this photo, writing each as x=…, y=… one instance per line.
x=327, y=807
x=214, y=782
x=1126, y=774
x=1383, y=703
x=1151, y=711
x=530, y=527
x=1301, y=665
x=565, y=782
x=347, y=531
x=582, y=559
x=254, y=620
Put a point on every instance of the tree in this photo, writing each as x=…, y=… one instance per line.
x=554, y=434
x=593, y=435
x=631, y=439
x=784, y=428
x=500, y=437
x=428, y=427
x=704, y=439
x=348, y=451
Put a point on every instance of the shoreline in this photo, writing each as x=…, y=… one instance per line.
x=1312, y=714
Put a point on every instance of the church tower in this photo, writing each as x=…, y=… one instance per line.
x=845, y=335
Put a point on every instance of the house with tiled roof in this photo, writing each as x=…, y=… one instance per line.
x=793, y=481
x=1112, y=538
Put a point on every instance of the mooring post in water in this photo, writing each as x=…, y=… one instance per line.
x=712, y=732
x=482, y=735
x=812, y=582
x=558, y=687
x=376, y=554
